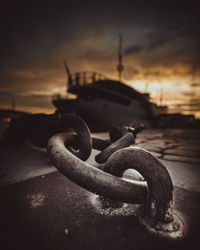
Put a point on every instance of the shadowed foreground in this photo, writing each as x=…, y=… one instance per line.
x=43, y=210
x=53, y=213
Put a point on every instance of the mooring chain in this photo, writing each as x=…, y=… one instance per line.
x=68, y=152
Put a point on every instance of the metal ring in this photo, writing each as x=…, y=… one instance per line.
x=159, y=182
x=158, y=179
x=91, y=178
x=158, y=196
x=83, y=138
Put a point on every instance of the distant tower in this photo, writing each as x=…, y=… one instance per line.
x=120, y=66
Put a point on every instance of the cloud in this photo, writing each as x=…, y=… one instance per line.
x=27, y=102
x=163, y=36
x=134, y=49
x=160, y=40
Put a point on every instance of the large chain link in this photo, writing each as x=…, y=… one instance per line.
x=68, y=152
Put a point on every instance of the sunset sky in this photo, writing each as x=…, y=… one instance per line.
x=161, y=49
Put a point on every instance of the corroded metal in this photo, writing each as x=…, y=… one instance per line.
x=106, y=184
x=100, y=144
x=160, y=186
x=91, y=178
x=123, y=142
x=159, y=182
x=121, y=137
x=116, y=132
x=44, y=129
x=68, y=152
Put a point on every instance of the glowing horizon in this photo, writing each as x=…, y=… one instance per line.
x=158, y=51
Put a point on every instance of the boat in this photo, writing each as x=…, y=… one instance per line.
x=103, y=102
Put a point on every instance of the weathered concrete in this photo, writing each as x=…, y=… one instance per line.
x=50, y=212
x=22, y=163
x=53, y=213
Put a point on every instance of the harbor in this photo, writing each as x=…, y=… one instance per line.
x=100, y=125
x=93, y=209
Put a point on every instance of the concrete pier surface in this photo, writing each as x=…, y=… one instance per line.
x=42, y=209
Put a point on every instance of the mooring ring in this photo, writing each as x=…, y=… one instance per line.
x=91, y=178
x=156, y=193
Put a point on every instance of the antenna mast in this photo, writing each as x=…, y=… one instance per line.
x=120, y=66
x=69, y=82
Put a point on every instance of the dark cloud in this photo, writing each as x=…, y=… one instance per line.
x=33, y=32
x=133, y=49
x=36, y=36
x=181, y=31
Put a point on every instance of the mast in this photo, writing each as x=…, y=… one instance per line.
x=120, y=66
x=69, y=82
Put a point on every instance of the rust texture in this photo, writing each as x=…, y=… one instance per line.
x=68, y=151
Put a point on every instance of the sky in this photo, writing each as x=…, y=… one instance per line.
x=161, y=49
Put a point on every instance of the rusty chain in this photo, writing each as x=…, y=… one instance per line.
x=68, y=152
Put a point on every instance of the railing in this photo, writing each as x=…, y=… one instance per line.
x=81, y=78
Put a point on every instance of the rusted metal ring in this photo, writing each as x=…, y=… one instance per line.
x=83, y=138
x=48, y=128
x=106, y=184
x=156, y=193
x=159, y=194
x=158, y=179
x=91, y=178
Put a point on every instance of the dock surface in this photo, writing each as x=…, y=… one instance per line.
x=41, y=209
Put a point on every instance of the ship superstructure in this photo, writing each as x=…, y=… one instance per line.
x=102, y=102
